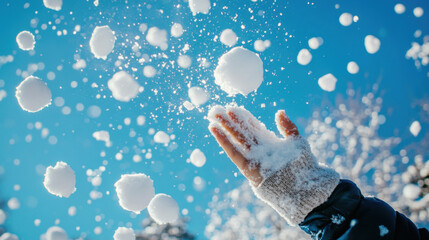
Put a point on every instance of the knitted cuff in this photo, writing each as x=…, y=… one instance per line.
x=298, y=188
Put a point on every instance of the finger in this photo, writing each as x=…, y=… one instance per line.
x=285, y=126
x=245, y=127
x=231, y=127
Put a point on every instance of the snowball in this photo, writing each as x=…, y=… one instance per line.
x=149, y=71
x=157, y=37
x=198, y=96
x=56, y=233
x=60, y=180
x=418, y=12
x=13, y=203
x=163, y=209
x=161, y=137
x=53, y=4
x=352, y=67
x=33, y=94
x=372, y=44
x=134, y=191
x=304, y=57
x=25, y=40
x=411, y=191
x=2, y=217
x=239, y=71
x=8, y=236
x=346, y=19
x=123, y=86
x=399, y=8
x=415, y=128
x=327, y=82
x=176, y=30
x=102, y=42
x=143, y=28
x=102, y=136
x=123, y=233
x=199, y=6
x=228, y=37
x=198, y=158
x=315, y=42
x=259, y=45
x=184, y=61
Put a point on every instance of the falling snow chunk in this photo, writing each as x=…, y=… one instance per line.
x=327, y=82
x=102, y=42
x=149, y=71
x=199, y=6
x=134, y=191
x=163, y=209
x=228, y=37
x=157, y=37
x=2, y=217
x=60, y=180
x=123, y=233
x=53, y=4
x=399, y=8
x=123, y=86
x=383, y=230
x=184, y=61
x=346, y=19
x=418, y=12
x=198, y=158
x=261, y=46
x=239, y=71
x=102, y=136
x=198, y=96
x=161, y=137
x=25, y=40
x=315, y=42
x=411, y=191
x=352, y=67
x=415, y=128
x=8, y=236
x=176, y=30
x=304, y=57
x=372, y=44
x=33, y=95
x=56, y=233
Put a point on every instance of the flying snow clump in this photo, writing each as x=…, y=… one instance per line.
x=8, y=236
x=157, y=38
x=346, y=19
x=184, y=61
x=163, y=209
x=228, y=37
x=239, y=71
x=134, y=191
x=161, y=137
x=123, y=233
x=102, y=136
x=315, y=42
x=327, y=82
x=399, y=8
x=149, y=71
x=176, y=30
x=55, y=233
x=304, y=57
x=123, y=86
x=352, y=67
x=199, y=6
x=198, y=158
x=102, y=42
x=261, y=46
x=411, y=191
x=415, y=128
x=25, y=40
x=198, y=96
x=33, y=94
x=60, y=180
x=372, y=44
x=53, y=4
x=2, y=217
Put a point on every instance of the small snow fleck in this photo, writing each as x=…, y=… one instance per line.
x=383, y=230
x=337, y=219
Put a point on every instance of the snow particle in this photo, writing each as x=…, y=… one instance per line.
x=198, y=96
x=415, y=128
x=399, y=8
x=198, y=158
x=315, y=42
x=372, y=44
x=2, y=217
x=304, y=57
x=184, y=61
x=327, y=82
x=123, y=86
x=411, y=191
x=239, y=71
x=13, y=203
x=33, y=94
x=60, y=180
x=53, y=4
x=352, y=67
x=228, y=37
x=163, y=209
x=346, y=19
x=161, y=137
x=25, y=40
x=383, y=230
x=8, y=236
x=102, y=136
x=199, y=6
x=123, y=233
x=176, y=30
x=134, y=191
x=56, y=233
x=149, y=71
x=102, y=42
x=157, y=38
x=418, y=12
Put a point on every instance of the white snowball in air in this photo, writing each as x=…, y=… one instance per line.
x=161, y=137
x=60, y=180
x=304, y=57
x=199, y=6
x=418, y=12
x=33, y=95
x=157, y=37
x=399, y=8
x=184, y=61
x=102, y=42
x=352, y=67
x=198, y=96
x=53, y=4
x=228, y=37
x=123, y=233
x=239, y=71
x=56, y=233
x=163, y=209
x=123, y=86
x=259, y=45
x=411, y=191
x=315, y=42
x=198, y=158
x=149, y=71
x=372, y=44
x=8, y=236
x=327, y=82
x=25, y=40
x=415, y=128
x=2, y=217
x=134, y=191
x=102, y=136
x=346, y=19
x=176, y=30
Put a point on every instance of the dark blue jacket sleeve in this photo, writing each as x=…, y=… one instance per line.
x=347, y=215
